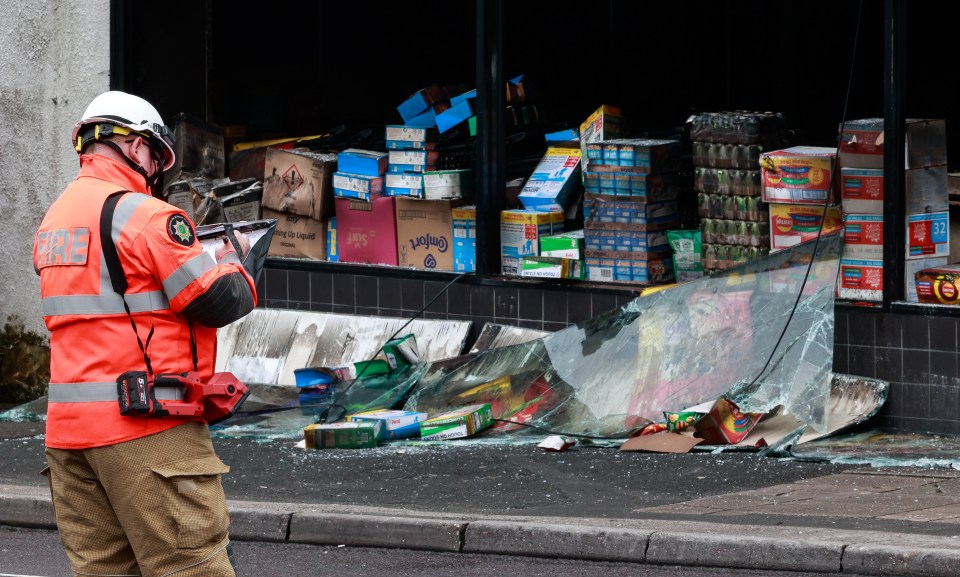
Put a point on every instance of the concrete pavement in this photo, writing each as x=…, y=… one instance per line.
x=704, y=510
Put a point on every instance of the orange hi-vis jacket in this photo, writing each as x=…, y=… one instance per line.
x=173, y=287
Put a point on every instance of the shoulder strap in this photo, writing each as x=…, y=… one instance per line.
x=117, y=278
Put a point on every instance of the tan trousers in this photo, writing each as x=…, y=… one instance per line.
x=152, y=506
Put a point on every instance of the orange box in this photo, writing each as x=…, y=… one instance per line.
x=798, y=175
x=791, y=224
x=939, y=285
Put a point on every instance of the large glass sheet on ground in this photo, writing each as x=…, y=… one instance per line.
x=760, y=334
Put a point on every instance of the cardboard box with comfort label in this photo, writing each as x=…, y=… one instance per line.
x=297, y=236
x=424, y=234
x=367, y=231
x=299, y=182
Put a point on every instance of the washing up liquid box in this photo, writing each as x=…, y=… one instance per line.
x=357, y=186
x=393, y=424
x=454, y=115
x=458, y=424
x=351, y=435
x=365, y=162
x=555, y=182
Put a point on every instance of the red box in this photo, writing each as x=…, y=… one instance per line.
x=367, y=231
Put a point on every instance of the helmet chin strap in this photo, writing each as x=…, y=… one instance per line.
x=154, y=183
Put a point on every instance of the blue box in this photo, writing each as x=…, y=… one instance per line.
x=465, y=96
x=394, y=424
x=332, y=254
x=418, y=102
x=357, y=186
x=563, y=135
x=400, y=137
x=427, y=119
x=365, y=162
x=454, y=115
x=403, y=184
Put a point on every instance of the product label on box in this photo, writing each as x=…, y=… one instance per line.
x=357, y=183
x=862, y=190
x=928, y=235
x=791, y=224
x=863, y=237
x=861, y=279
x=800, y=174
x=406, y=133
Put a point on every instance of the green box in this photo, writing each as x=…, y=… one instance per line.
x=458, y=424
x=551, y=267
x=564, y=245
x=350, y=435
x=401, y=351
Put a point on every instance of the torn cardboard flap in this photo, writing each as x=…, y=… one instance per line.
x=665, y=442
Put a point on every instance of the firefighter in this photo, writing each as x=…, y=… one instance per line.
x=132, y=495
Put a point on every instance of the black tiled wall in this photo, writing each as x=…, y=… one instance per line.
x=916, y=354
x=535, y=307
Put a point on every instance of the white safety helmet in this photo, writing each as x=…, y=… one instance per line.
x=117, y=112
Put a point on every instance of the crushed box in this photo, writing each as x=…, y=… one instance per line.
x=350, y=435
x=299, y=182
x=555, y=181
x=393, y=424
x=458, y=424
x=297, y=236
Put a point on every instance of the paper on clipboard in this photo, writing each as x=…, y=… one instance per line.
x=259, y=232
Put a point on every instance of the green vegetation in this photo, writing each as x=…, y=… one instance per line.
x=24, y=364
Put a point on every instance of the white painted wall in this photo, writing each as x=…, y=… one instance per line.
x=54, y=58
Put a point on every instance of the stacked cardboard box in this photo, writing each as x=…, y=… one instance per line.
x=297, y=191
x=465, y=238
x=359, y=174
x=727, y=147
x=520, y=234
x=630, y=201
x=862, y=194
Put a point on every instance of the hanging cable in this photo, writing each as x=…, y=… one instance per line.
x=826, y=202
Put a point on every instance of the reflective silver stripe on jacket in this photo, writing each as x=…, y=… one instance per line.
x=108, y=302
x=98, y=392
x=187, y=273
x=105, y=304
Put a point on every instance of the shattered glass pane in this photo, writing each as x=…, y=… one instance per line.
x=694, y=342
x=749, y=334
x=884, y=449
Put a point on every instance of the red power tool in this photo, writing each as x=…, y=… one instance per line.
x=214, y=400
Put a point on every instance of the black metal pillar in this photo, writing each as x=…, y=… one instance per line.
x=491, y=156
x=894, y=132
x=119, y=78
